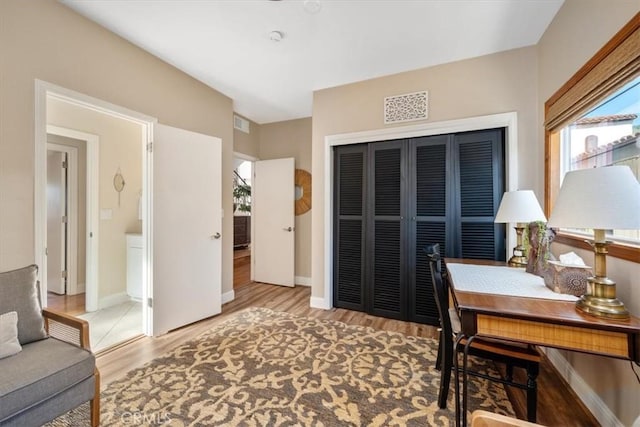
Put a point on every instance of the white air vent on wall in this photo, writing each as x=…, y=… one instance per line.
x=240, y=124
x=406, y=108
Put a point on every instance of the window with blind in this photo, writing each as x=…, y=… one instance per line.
x=594, y=121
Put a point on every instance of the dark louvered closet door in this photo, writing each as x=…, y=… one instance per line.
x=480, y=186
x=387, y=292
x=349, y=241
x=429, y=219
x=394, y=197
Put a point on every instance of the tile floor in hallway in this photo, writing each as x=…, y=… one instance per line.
x=112, y=325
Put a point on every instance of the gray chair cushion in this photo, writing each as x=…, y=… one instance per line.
x=42, y=370
x=19, y=292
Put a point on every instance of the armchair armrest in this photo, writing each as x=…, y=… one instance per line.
x=67, y=328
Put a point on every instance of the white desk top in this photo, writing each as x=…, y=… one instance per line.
x=496, y=280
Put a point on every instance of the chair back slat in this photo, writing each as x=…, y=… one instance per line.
x=440, y=288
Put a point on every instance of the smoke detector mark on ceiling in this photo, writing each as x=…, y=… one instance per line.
x=276, y=36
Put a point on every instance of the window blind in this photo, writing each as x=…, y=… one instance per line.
x=615, y=64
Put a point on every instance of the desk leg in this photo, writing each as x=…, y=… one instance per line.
x=465, y=379
x=456, y=370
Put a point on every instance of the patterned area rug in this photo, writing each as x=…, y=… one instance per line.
x=262, y=367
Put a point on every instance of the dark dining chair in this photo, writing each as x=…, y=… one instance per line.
x=511, y=354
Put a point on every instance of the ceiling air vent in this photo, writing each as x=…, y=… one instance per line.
x=240, y=124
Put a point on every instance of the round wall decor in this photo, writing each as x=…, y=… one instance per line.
x=302, y=180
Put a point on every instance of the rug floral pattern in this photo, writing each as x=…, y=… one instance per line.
x=262, y=368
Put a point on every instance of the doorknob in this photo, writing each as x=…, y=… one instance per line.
x=215, y=236
x=289, y=229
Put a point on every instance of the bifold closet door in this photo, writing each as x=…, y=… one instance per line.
x=479, y=181
x=349, y=227
x=394, y=197
x=428, y=206
x=386, y=248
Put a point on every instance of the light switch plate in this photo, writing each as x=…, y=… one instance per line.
x=106, y=213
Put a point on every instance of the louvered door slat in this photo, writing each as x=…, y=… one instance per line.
x=423, y=306
x=387, y=191
x=387, y=281
x=351, y=167
x=476, y=178
x=478, y=240
x=349, y=272
x=430, y=222
x=387, y=278
x=480, y=183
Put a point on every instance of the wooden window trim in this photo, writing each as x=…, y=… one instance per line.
x=552, y=141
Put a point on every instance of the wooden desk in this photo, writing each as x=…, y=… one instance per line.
x=548, y=323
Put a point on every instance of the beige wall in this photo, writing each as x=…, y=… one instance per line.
x=120, y=147
x=578, y=31
x=292, y=139
x=277, y=140
x=42, y=39
x=247, y=143
x=486, y=85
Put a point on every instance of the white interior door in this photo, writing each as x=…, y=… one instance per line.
x=272, y=209
x=56, y=229
x=187, y=225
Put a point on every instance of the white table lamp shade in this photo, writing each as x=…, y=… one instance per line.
x=519, y=206
x=598, y=198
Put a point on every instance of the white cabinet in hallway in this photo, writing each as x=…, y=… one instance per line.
x=134, y=265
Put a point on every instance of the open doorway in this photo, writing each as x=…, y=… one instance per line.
x=88, y=271
x=242, y=182
x=181, y=178
x=97, y=193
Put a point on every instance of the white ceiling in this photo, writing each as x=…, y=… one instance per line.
x=225, y=43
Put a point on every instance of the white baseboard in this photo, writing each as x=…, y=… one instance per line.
x=228, y=296
x=590, y=399
x=317, y=302
x=112, y=300
x=302, y=281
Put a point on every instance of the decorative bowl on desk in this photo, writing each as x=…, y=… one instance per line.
x=567, y=278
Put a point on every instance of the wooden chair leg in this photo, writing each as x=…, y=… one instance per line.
x=509, y=373
x=456, y=370
x=439, y=357
x=94, y=404
x=446, y=360
x=465, y=379
x=532, y=392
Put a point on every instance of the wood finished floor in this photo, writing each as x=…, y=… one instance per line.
x=241, y=267
x=557, y=404
x=70, y=304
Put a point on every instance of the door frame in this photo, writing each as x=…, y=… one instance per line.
x=252, y=159
x=43, y=90
x=92, y=198
x=502, y=120
x=71, y=235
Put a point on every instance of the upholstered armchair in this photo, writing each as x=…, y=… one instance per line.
x=46, y=365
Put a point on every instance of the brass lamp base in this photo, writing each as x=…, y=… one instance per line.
x=609, y=308
x=601, y=301
x=517, y=261
x=519, y=258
